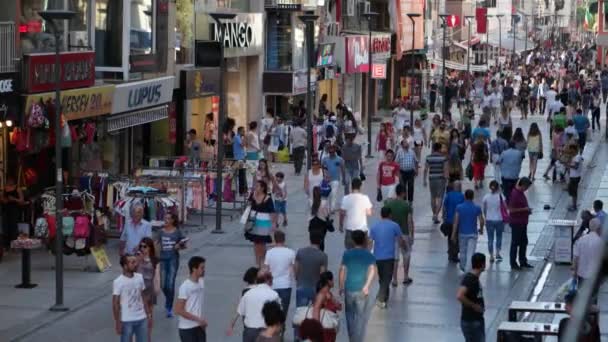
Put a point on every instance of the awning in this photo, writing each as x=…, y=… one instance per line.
x=141, y=117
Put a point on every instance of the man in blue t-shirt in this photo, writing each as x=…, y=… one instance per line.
x=357, y=271
x=384, y=234
x=238, y=149
x=581, y=123
x=451, y=200
x=465, y=224
x=335, y=168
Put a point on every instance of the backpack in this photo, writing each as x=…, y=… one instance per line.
x=330, y=131
x=81, y=227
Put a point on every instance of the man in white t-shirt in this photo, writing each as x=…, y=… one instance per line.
x=190, y=303
x=588, y=253
x=575, y=169
x=132, y=314
x=355, y=209
x=280, y=262
x=251, y=304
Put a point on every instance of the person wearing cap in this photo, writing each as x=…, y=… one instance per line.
x=587, y=254
x=519, y=212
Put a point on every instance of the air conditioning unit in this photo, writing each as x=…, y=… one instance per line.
x=350, y=8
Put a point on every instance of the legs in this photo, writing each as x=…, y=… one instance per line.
x=453, y=247
x=468, y=245
x=507, y=187
x=473, y=331
x=355, y=306
x=259, y=251
x=196, y=334
x=333, y=195
x=385, y=274
x=519, y=243
x=134, y=329
x=407, y=179
x=285, y=296
x=298, y=158
x=491, y=229
x=533, y=163
x=497, y=173
x=304, y=296
x=169, y=272
x=595, y=118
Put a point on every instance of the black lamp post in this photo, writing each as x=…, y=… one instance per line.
x=499, y=16
x=51, y=17
x=513, y=25
x=488, y=40
x=444, y=110
x=370, y=95
x=309, y=19
x=469, y=19
x=526, y=35
x=412, y=16
x=218, y=17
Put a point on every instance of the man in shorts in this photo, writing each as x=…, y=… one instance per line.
x=401, y=213
x=436, y=170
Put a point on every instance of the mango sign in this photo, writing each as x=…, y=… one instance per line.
x=79, y=103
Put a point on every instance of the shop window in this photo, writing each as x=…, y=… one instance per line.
x=108, y=33
x=35, y=35
x=141, y=31
x=79, y=25
x=184, y=29
x=279, y=55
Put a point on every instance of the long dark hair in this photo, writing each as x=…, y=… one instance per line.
x=518, y=135
x=151, y=250
x=324, y=279
x=534, y=131
x=316, y=200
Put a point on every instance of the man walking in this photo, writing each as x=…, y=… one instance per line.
x=335, y=167
x=384, y=234
x=355, y=209
x=401, y=213
x=598, y=210
x=588, y=254
x=510, y=167
x=131, y=312
x=470, y=295
x=453, y=198
x=298, y=143
x=519, y=212
x=465, y=224
x=581, y=123
x=353, y=161
x=497, y=147
x=408, y=167
x=309, y=264
x=135, y=229
x=436, y=170
x=190, y=303
x=357, y=271
x=280, y=262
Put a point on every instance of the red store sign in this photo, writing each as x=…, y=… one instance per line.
x=77, y=70
x=357, y=54
x=381, y=46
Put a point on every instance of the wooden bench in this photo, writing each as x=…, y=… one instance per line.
x=535, y=307
x=538, y=330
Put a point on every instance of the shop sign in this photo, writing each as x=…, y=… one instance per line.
x=8, y=83
x=200, y=82
x=79, y=103
x=379, y=71
x=357, y=54
x=244, y=35
x=77, y=70
x=326, y=55
x=381, y=46
x=137, y=95
x=299, y=81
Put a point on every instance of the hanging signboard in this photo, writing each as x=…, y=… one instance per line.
x=143, y=94
x=77, y=70
x=357, y=54
x=79, y=103
x=379, y=71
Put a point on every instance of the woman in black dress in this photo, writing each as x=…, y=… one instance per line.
x=264, y=220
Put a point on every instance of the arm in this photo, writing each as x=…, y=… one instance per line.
x=157, y=279
x=411, y=225
x=371, y=274
x=425, y=176
x=482, y=222
x=379, y=174
x=116, y=313
x=123, y=242
x=342, y=278
x=342, y=215
x=461, y=296
x=316, y=308
x=180, y=309
x=455, y=226
x=306, y=184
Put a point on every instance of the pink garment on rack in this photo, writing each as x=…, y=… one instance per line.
x=228, y=191
x=197, y=197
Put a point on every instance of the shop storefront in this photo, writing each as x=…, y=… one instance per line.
x=243, y=49
x=139, y=126
x=9, y=114
x=200, y=87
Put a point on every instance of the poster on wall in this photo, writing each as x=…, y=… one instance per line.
x=357, y=54
x=404, y=25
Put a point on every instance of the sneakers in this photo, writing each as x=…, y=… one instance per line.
x=381, y=305
x=572, y=208
x=408, y=281
x=498, y=257
x=169, y=313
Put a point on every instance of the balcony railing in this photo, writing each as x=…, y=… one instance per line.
x=8, y=53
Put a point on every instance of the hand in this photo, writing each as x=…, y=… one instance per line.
x=203, y=323
x=118, y=327
x=365, y=291
x=150, y=322
x=229, y=331
x=478, y=308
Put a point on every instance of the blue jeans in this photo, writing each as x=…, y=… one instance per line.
x=139, y=329
x=495, y=227
x=355, y=309
x=168, y=268
x=473, y=331
x=304, y=296
x=350, y=175
x=285, y=296
x=467, y=244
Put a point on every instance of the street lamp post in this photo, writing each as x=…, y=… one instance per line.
x=309, y=19
x=218, y=17
x=469, y=19
x=444, y=110
x=412, y=16
x=370, y=95
x=513, y=24
x=51, y=16
x=526, y=35
x=499, y=16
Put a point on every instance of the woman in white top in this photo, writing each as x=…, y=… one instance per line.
x=313, y=177
x=419, y=138
x=253, y=142
x=494, y=222
x=535, y=148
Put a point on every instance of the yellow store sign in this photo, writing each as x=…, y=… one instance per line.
x=79, y=103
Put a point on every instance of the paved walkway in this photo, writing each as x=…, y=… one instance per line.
x=426, y=310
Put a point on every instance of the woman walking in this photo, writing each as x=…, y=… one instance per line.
x=149, y=269
x=556, y=150
x=264, y=221
x=325, y=301
x=171, y=241
x=320, y=221
x=420, y=139
x=519, y=140
x=314, y=177
x=535, y=148
x=492, y=203
x=479, y=160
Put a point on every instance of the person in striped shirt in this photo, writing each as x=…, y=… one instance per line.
x=436, y=171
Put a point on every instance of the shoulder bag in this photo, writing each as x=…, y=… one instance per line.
x=504, y=211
